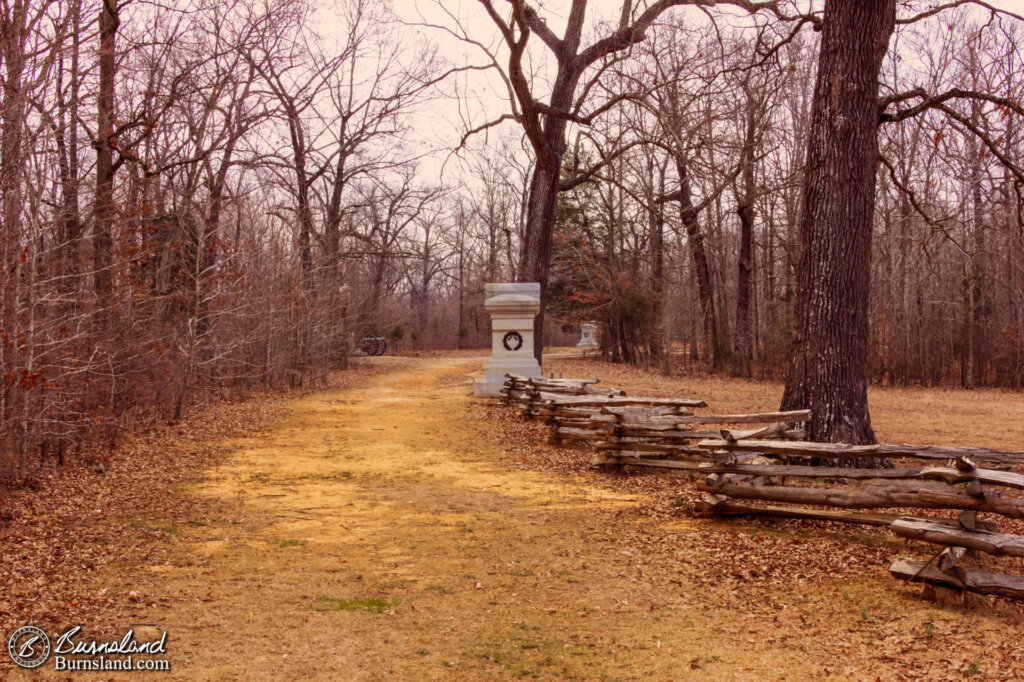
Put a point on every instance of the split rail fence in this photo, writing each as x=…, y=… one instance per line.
x=752, y=461
x=964, y=487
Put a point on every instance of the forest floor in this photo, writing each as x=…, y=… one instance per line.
x=396, y=528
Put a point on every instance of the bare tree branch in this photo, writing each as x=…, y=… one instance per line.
x=934, y=101
x=958, y=3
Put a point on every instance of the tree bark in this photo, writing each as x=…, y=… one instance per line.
x=67, y=150
x=535, y=262
x=974, y=277
x=660, y=345
x=103, y=222
x=701, y=267
x=743, y=340
x=302, y=192
x=827, y=370
x=12, y=114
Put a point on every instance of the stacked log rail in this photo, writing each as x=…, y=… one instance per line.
x=519, y=390
x=528, y=393
x=593, y=417
x=743, y=487
x=671, y=441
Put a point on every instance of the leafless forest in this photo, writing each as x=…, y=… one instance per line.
x=202, y=197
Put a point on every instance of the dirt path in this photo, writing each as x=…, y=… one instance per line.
x=375, y=534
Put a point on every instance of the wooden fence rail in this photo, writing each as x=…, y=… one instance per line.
x=749, y=468
x=529, y=393
x=964, y=487
x=673, y=442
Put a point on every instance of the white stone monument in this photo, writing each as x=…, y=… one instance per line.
x=587, y=338
x=512, y=308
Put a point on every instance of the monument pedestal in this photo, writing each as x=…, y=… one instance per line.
x=588, y=338
x=513, y=307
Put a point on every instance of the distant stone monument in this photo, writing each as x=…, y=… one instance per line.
x=512, y=307
x=588, y=340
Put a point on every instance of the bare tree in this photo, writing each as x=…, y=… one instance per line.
x=545, y=123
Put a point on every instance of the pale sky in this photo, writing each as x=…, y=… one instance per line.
x=483, y=95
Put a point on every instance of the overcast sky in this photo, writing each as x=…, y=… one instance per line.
x=482, y=96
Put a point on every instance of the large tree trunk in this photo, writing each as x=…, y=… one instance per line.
x=332, y=226
x=743, y=341
x=12, y=115
x=660, y=345
x=67, y=152
x=828, y=359
x=103, y=241
x=540, y=224
x=209, y=241
x=701, y=267
x=542, y=205
x=12, y=161
x=974, y=277
x=302, y=190
x=217, y=187
x=743, y=345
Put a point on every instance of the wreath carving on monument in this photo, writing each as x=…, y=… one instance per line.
x=512, y=341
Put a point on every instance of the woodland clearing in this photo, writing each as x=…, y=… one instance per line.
x=395, y=527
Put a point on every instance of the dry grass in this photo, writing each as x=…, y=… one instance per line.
x=988, y=418
x=70, y=538
x=399, y=529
